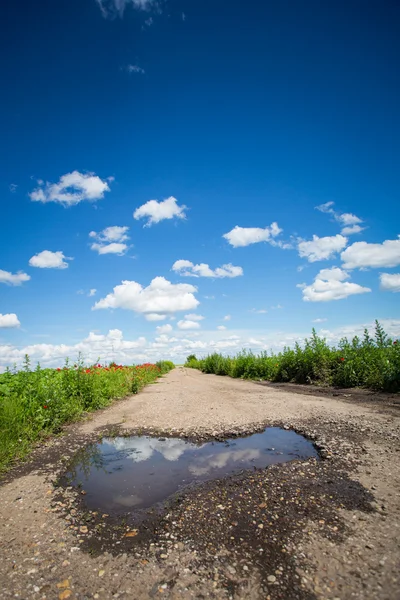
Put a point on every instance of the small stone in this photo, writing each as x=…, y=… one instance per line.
x=271, y=578
x=101, y=573
x=64, y=595
x=63, y=584
x=65, y=563
x=163, y=555
x=261, y=526
x=83, y=529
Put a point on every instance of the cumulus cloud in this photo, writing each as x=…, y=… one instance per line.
x=330, y=284
x=164, y=328
x=227, y=317
x=49, y=260
x=390, y=282
x=71, y=189
x=221, y=328
x=157, y=300
x=92, y=292
x=110, y=8
x=155, y=317
x=321, y=248
x=13, y=278
x=362, y=255
x=94, y=347
x=187, y=324
x=156, y=211
x=260, y=311
x=111, y=240
x=348, y=221
x=188, y=269
x=352, y=229
x=9, y=321
x=244, y=236
x=319, y=320
x=13, y=187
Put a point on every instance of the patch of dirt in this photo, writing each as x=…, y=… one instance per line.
x=301, y=530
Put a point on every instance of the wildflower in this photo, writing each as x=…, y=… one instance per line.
x=395, y=342
x=58, y=369
x=341, y=358
x=45, y=406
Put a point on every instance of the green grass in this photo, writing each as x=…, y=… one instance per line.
x=368, y=362
x=34, y=404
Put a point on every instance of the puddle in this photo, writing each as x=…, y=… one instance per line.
x=122, y=474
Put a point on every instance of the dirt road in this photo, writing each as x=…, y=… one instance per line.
x=313, y=529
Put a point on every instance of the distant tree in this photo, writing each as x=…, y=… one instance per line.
x=191, y=357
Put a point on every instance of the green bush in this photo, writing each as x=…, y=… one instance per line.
x=165, y=366
x=371, y=362
x=36, y=403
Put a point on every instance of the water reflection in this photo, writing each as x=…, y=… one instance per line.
x=129, y=473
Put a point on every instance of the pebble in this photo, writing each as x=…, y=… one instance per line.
x=271, y=578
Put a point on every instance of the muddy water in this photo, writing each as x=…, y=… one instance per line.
x=129, y=473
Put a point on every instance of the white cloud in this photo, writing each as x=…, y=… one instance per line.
x=113, y=346
x=194, y=317
x=159, y=211
x=155, y=317
x=71, y=189
x=221, y=328
x=362, y=255
x=110, y=8
x=348, y=221
x=352, y=229
x=321, y=248
x=319, y=320
x=244, y=236
x=277, y=307
x=49, y=260
x=96, y=346
x=113, y=248
x=330, y=284
x=110, y=240
x=188, y=269
x=260, y=311
x=185, y=324
x=135, y=69
x=92, y=292
x=227, y=317
x=390, y=282
x=13, y=278
x=160, y=298
x=164, y=328
x=9, y=321
x=13, y=187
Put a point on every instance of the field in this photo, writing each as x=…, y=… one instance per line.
x=368, y=362
x=34, y=404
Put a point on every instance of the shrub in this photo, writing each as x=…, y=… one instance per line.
x=370, y=362
x=36, y=403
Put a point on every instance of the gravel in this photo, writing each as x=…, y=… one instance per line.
x=313, y=529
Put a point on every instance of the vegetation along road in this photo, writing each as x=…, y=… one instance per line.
x=326, y=528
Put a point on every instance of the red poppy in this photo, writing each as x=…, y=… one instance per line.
x=341, y=358
x=58, y=369
x=45, y=406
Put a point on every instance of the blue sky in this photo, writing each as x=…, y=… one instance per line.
x=236, y=120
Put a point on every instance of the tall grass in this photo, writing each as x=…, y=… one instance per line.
x=368, y=362
x=36, y=403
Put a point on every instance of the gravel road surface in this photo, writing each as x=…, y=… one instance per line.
x=303, y=530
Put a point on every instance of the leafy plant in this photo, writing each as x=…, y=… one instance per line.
x=371, y=362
